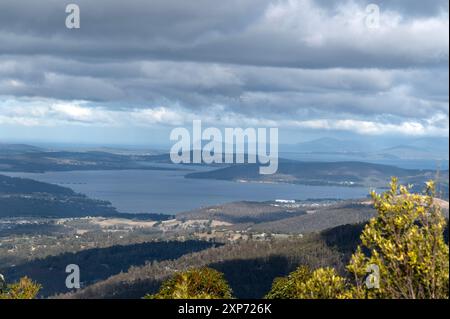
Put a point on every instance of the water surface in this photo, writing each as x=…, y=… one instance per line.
x=157, y=191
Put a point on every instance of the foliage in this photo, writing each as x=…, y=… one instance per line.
x=404, y=244
x=288, y=287
x=323, y=283
x=266, y=259
x=100, y=263
x=203, y=283
x=25, y=288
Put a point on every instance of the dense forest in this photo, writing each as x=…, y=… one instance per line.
x=265, y=259
x=321, y=219
x=100, y=263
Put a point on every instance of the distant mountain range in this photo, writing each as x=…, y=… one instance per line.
x=436, y=148
x=429, y=153
x=18, y=149
x=325, y=145
x=26, y=158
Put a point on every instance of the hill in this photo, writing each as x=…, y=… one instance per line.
x=24, y=158
x=18, y=149
x=243, y=212
x=320, y=219
x=326, y=145
x=266, y=259
x=299, y=217
x=21, y=197
x=350, y=174
x=280, y=217
x=431, y=148
x=99, y=263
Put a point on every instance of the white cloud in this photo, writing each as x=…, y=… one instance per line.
x=375, y=128
x=32, y=112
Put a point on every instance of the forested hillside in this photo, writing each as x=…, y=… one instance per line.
x=321, y=219
x=100, y=263
x=297, y=218
x=265, y=259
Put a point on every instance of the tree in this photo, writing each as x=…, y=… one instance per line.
x=402, y=254
x=287, y=287
x=406, y=243
x=25, y=288
x=303, y=283
x=203, y=283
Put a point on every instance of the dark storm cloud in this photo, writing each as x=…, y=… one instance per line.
x=265, y=59
x=259, y=32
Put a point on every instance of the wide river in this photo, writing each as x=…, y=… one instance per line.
x=167, y=191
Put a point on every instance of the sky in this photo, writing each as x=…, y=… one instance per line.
x=136, y=69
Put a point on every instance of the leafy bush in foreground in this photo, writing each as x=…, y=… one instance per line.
x=404, y=244
x=203, y=283
x=303, y=283
x=25, y=288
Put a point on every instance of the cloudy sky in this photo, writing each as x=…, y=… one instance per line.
x=137, y=68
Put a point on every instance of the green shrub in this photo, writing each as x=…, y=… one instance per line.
x=404, y=243
x=203, y=283
x=25, y=288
